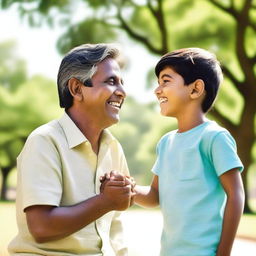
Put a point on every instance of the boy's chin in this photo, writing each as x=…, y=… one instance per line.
x=164, y=113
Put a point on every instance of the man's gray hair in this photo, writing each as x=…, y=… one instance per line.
x=81, y=63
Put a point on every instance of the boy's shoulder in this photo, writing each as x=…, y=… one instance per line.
x=168, y=135
x=212, y=129
x=214, y=133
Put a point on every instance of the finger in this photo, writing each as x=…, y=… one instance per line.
x=106, y=176
x=118, y=177
x=116, y=183
x=113, y=173
x=102, y=179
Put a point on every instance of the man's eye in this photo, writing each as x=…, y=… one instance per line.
x=166, y=81
x=111, y=81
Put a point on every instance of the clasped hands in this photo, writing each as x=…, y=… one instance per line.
x=118, y=189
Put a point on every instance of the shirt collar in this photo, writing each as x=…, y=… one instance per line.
x=75, y=137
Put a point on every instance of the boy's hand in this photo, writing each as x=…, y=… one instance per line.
x=116, y=179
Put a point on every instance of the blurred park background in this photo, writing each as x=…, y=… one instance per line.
x=35, y=34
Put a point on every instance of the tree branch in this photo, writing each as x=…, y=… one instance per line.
x=229, y=10
x=226, y=122
x=252, y=25
x=245, y=61
x=159, y=17
x=151, y=8
x=245, y=13
x=136, y=36
x=232, y=5
x=233, y=79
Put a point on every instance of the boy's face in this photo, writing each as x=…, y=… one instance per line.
x=171, y=92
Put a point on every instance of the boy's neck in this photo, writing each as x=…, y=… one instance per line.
x=188, y=122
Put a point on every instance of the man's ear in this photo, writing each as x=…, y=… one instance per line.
x=75, y=88
x=197, y=89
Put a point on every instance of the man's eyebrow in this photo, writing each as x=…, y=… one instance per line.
x=115, y=77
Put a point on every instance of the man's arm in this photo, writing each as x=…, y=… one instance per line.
x=147, y=196
x=48, y=223
x=233, y=186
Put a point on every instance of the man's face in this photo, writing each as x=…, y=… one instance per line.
x=172, y=94
x=104, y=99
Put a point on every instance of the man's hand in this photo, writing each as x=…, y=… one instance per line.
x=118, y=180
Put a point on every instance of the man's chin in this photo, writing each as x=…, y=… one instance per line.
x=113, y=120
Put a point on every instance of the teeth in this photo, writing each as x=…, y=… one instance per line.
x=161, y=100
x=115, y=104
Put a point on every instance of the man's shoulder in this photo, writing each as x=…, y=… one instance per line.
x=50, y=129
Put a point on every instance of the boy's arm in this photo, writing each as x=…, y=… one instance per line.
x=233, y=186
x=147, y=196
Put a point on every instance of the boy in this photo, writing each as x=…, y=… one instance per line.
x=197, y=177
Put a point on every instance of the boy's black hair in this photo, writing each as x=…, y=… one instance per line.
x=193, y=64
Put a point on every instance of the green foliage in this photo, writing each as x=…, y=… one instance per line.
x=229, y=102
x=204, y=29
x=137, y=20
x=12, y=70
x=33, y=104
x=24, y=105
x=84, y=32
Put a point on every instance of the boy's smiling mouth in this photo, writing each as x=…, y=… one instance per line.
x=162, y=100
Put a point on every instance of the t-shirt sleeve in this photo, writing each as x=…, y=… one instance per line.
x=224, y=153
x=156, y=167
x=39, y=173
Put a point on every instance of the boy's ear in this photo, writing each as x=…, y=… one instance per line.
x=75, y=88
x=197, y=89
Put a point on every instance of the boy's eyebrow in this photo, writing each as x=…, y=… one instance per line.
x=166, y=75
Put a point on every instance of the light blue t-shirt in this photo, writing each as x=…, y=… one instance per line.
x=192, y=198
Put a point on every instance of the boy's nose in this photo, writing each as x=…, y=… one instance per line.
x=157, y=90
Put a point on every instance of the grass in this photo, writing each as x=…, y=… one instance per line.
x=247, y=227
x=7, y=226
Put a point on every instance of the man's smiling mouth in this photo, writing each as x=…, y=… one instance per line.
x=116, y=104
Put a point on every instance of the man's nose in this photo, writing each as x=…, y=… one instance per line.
x=120, y=91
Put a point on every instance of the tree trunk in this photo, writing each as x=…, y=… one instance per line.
x=5, y=173
x=244, y=137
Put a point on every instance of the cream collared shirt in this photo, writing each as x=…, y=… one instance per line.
x=57, y=166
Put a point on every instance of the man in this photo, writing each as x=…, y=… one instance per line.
x=60, y=209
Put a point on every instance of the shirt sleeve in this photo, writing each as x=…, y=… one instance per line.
x=224, y=153
x=39, y=173
x=156, y=167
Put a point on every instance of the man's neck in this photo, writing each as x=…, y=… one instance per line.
x=90, y=129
